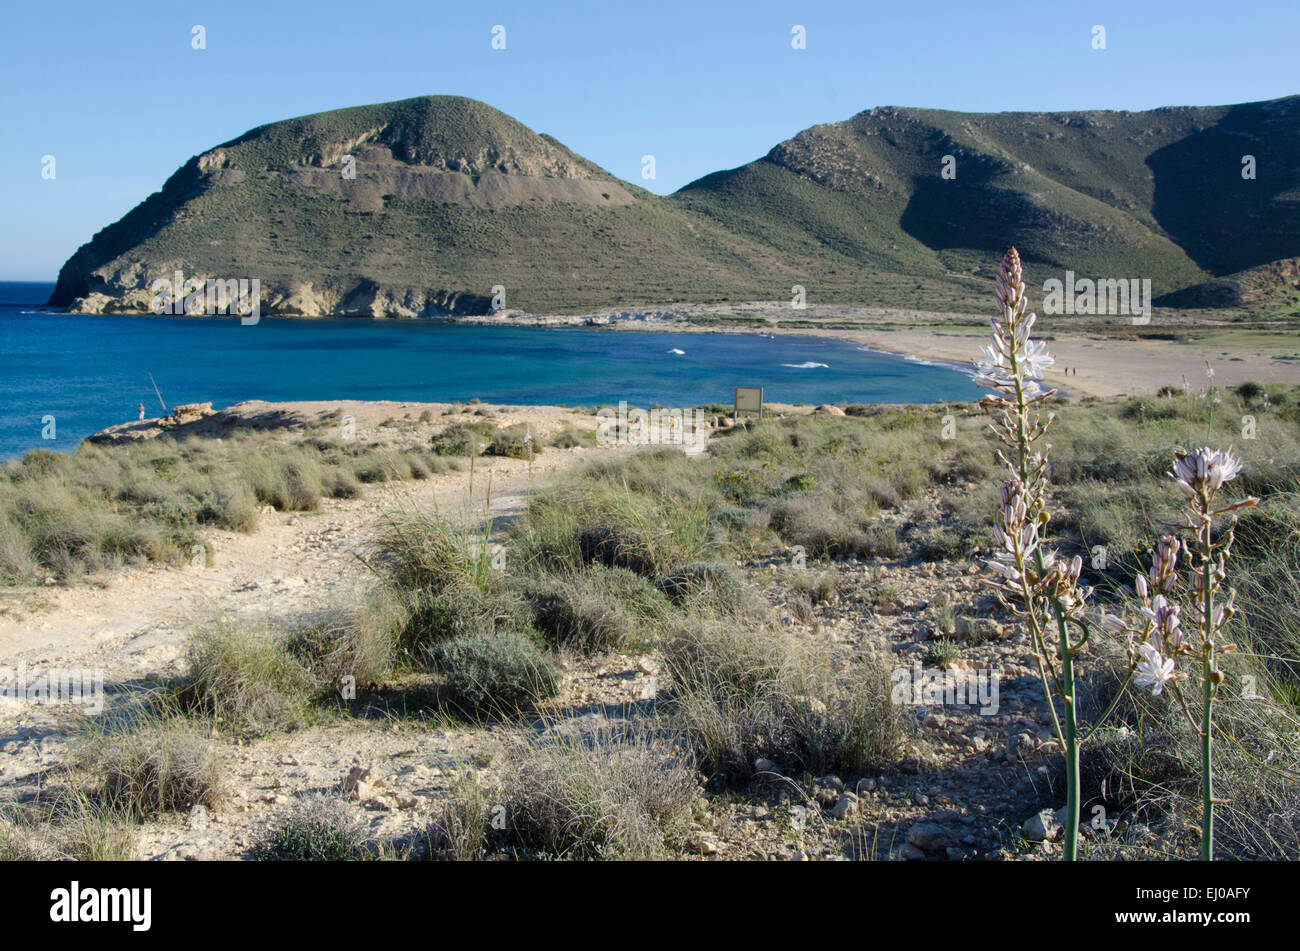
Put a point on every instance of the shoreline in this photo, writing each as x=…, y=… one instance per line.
x=1101, y=365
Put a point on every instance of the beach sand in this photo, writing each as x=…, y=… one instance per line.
x=1112, y=357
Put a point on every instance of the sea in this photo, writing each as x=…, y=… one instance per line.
x=65, y=376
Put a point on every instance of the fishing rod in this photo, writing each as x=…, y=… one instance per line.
x=166, y=411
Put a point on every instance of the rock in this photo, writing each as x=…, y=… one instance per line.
x=762, y=765
x=978, y=628
x=930, y=836
x=826, y=408
x=909, y=853
x=706, y=846
x=847, y=806
x=362, y=784
x=1042, y=827
x=189, y=412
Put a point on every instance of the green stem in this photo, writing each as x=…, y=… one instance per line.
x=1071, y=725
x=1070, y=722
x=1207, y=690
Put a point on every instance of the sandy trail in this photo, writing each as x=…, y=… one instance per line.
x=134, y=621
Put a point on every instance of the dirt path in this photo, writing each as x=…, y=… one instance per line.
x=133, y=621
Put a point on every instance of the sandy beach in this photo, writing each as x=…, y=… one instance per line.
x=1110, y=359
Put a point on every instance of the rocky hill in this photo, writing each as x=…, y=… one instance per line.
x=422, y=207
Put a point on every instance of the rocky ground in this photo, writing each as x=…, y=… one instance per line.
x=971, y=785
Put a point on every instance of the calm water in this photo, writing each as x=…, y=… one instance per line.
x=92, y=372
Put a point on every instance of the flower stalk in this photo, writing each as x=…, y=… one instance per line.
x=1199, y=476
x=1036, y=585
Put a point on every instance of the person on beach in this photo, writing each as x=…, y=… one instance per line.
x=141, y=411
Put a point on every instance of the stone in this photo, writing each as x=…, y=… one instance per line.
x=930, y=836
x=762, y=765
x=189, y=412
x=847, y=806
x=978, y=628
x=362, y=784
x=1041, y=827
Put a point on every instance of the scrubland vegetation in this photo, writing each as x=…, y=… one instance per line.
x=654, y=552
x=62, y=515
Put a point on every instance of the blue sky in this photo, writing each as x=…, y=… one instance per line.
x=117, y=95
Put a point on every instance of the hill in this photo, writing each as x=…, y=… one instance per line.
x=1156, y=194
x=451, y=198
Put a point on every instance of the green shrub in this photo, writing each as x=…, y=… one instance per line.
x=319, y=829
x=494, y=674
x=613, y=797
x=514, y=442
x=156, y=764
x=596, y=609
x=245, y=680
x=711, y=582
x=463, y=439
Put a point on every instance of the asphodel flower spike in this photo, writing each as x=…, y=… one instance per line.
x=1013, y=362
x=1199, y=476
x=1035, y=584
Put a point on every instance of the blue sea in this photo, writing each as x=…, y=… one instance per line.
x=89, y=372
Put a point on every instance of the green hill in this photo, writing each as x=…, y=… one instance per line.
x=452, y=197
x=1156, y=194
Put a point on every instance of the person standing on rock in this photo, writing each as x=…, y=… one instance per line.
x=141, y=411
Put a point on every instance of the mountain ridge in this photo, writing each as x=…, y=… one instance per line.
x=452, y=199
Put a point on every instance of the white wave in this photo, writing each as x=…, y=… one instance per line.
x=676, y=351
x=964, y=368
x=809, y=365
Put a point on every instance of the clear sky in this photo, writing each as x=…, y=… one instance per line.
x=116, y=93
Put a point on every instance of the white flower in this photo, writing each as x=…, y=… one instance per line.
x=1204, y=468
x=1153, y=670
x=1013, y=357
x=1112, y=623
x=1035, y=359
